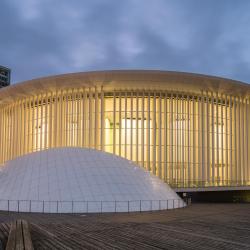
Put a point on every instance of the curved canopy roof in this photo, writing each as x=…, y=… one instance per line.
x=127, y=79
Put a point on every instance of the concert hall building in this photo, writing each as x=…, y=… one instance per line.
x=190, y=130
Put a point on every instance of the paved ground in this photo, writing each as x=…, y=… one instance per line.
x=200, y=226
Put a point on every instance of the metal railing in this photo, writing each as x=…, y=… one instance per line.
x=39, y=206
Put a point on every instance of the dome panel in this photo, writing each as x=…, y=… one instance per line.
x=81, y=180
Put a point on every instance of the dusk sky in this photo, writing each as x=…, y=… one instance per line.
x=47, y=37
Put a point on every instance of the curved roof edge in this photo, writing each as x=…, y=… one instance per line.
x=127, y=79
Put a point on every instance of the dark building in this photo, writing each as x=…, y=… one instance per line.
x=4, y=76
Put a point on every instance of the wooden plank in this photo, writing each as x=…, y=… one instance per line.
x=26, y=236
x=203, y=227
x=19, y=236
x=49, y=239
x=5, y=229
x=11, y=244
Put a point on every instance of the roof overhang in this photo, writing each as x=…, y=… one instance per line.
x=126, y=80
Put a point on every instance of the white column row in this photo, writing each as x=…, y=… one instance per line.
x=186, y=140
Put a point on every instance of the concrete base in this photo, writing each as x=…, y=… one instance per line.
x=218, y=196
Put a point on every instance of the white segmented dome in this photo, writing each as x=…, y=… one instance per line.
x=80, y=175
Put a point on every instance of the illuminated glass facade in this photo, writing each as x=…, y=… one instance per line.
x=186, y=138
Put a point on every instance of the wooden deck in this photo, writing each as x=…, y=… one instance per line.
x=200, y=226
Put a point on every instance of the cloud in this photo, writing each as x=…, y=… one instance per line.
x=43, y=37
x=129, y=45
x=27, y=9
x=86, y=53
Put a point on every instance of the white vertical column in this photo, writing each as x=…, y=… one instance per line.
x=2, y=129
x=23, y=136
x=131, y=125
x=240, y=138
x=9, y=130
x=217, y=142
x=188, y=140
x=183, y=141
x=4, y=140
x=222, y=138
x=102, y=119
x=9, y=123
x=52, y=118
x=148, y=136
x=21, y=128
x=32, y=124
x=67, y=117
x=61, y=121
x=208, y=138
x=6, y=122
x=46, y=121
x=28, y=124
x=16, y=129
x=244, y=145
x=137, y=131
x=203, y=172
x=90, y=119
x=62, y=118
x=55, y=123
x=142, y=131
x=114, y=123
x=72, y=120
x=26, y=121
x=172, y=138
x=165, y=138
x=37, y=121
x=199, y=165
x=194, y=139
x=83, y=117
x=154, y=134
x=23, y=141
x=235, y=141
x=125, y=146
x=1, y=134
x=212, y=137
x=96, y=130
x=120, y=124
x=226, y=141
x=40, y=129
x=78, y=108
x=176, y=121
x=231, y=138
x=159, y=134
x=12, y=126
x=247, y=141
